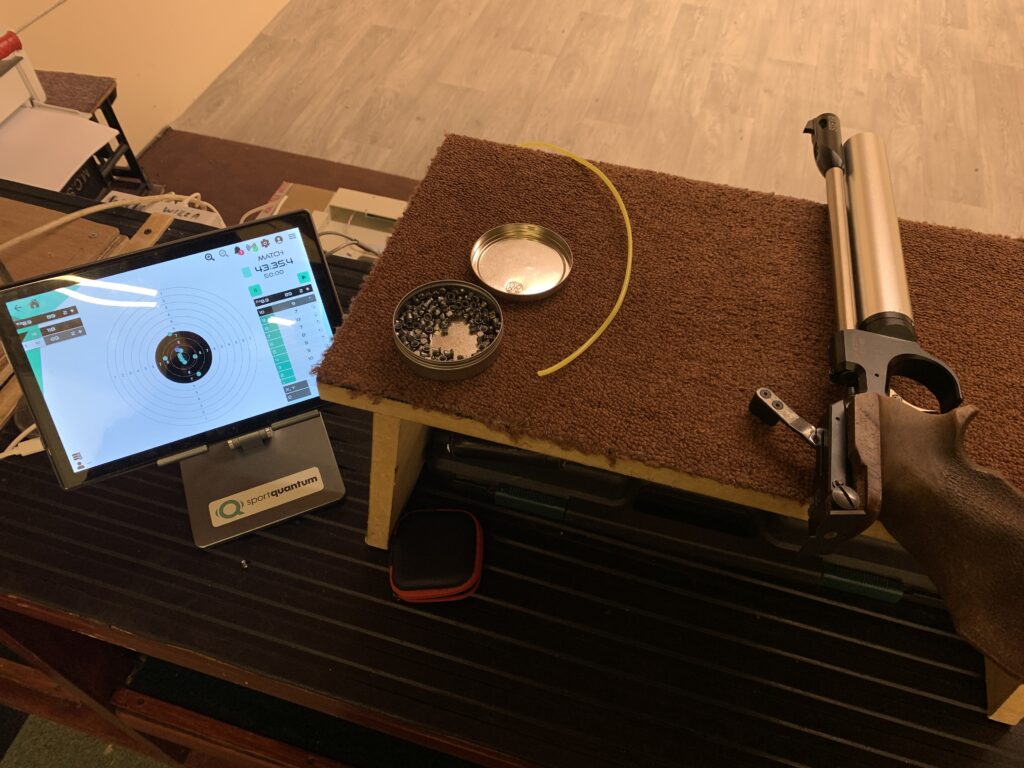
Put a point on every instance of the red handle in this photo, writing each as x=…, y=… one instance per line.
x=9, y=43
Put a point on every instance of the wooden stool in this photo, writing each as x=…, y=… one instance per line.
x=93, y=95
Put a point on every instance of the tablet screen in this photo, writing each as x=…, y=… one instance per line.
x=149, y=356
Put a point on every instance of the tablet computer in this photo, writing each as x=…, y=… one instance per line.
x=147, y=355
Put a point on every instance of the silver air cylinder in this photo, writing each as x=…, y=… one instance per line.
x=880, y=278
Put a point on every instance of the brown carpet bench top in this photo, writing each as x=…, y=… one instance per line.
x=731, y=290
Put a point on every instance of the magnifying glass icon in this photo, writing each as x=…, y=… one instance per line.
x=209, y=257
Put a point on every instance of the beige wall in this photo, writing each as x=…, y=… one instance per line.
x=163, y=54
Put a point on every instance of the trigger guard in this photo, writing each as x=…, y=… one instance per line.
x=930, y=373
x=867, y=361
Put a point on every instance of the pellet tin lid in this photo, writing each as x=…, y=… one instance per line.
x=521, y=261
x=448, y=329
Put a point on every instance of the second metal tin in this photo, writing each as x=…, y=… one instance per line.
x=521, y=261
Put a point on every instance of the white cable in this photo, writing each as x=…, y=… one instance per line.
x=339, y=246
x=21, y=436
x=51, y=225
x=20, y=446
x=351, y=241
x=251, y=212
x=24, y=448
x=258, y=208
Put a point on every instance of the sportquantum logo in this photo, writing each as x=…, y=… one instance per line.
x=266, y=496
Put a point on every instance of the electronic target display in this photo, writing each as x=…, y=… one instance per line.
x=147, y=354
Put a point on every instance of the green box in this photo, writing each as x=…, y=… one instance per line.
x=304, y=277
x=246, y=272
x=255, y=290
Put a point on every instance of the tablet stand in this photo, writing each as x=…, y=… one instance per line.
x=258, y=479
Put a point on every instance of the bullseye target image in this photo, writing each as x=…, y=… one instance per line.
x=187, y=361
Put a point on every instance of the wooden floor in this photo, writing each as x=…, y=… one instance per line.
x=717, y=90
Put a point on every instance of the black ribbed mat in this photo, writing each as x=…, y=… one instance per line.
x=580, y=649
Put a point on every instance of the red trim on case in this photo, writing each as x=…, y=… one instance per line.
x=430, y=596
x=446, y=594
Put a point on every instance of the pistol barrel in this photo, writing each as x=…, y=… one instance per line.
x=842, y=258
x=827, y=142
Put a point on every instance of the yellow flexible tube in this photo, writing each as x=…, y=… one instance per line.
x=629, y=251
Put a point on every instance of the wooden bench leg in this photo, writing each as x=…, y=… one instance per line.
x=1005, y=695
x=396, y=458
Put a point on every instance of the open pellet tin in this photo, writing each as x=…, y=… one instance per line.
x=448, y=329
x=521, y=261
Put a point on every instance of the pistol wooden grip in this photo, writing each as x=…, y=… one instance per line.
x=964, y=524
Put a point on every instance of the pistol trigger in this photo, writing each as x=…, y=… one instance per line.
x=772, y=409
